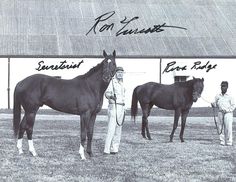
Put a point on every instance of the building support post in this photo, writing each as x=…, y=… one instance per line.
x=8, y=86
x=160, y=70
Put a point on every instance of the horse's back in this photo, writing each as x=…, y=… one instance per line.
x=145, y=90
x=70, y=96
x=150, y=88
x=161, y=95
x=28, y=83
x=31, y=83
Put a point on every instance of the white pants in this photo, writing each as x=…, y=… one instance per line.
x=226, y=137
x=114, y=130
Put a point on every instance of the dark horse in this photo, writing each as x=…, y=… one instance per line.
x=82, y=95
x=178, y=96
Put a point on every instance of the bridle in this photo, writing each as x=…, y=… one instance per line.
x=219, y=131
x=196, y=94
x=107, y=73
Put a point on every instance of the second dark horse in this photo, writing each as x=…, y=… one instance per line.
x=178, y=97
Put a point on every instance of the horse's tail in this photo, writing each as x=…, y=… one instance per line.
x=134, y=105
x=16, y=113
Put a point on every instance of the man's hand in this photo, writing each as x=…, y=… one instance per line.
x=224, y=111
x=113, y=97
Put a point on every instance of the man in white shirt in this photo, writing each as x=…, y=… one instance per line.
x=226, y=106
x=115, y=94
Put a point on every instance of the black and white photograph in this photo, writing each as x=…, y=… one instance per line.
x=117, y=90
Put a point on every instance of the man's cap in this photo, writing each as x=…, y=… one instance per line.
x=224, y=83
x=119, y=68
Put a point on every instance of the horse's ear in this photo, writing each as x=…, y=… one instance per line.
x=194, y=78
x=114, y=53
x=104, y=53
x=202, y=79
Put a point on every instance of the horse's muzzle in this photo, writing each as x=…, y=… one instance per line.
x=196, y=96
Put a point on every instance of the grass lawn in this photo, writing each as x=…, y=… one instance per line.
x=56, y=139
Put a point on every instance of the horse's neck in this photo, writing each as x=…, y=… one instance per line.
x=188, y=84
x=95, y=82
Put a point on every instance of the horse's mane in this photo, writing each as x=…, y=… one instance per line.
x=91, y=71
x=187, y=83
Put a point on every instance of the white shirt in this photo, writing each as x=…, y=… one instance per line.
x=224, y=102
x=116, y=87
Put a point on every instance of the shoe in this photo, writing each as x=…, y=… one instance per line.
x=104, y=153
x=222, y=143
x=114, y=153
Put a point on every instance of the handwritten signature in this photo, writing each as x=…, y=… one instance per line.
x=171, y=66
x=62, y=65
x=101, y=26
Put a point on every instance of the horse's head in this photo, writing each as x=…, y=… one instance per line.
x=197, y=88
x=109, y=66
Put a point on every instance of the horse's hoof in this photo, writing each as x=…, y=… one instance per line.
x=33, y=153
x=21, y=152
x=90, y=154
x=171, y=140
x=83, y=158
x=149, y=138
x=181, y=139
x=143, y=135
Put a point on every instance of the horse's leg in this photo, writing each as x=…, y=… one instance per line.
x=147, y=126
x=21, y=134
x=143, y=126
x=30, y=119
x=90, y=134
x=146, y=111
x=176, y=119
x=183, y=121
x=84, y=119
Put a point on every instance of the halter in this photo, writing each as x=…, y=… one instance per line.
x=197, y=85
x=107, y=73
x=108, y=77
x=116, y=107
x=219, y=132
